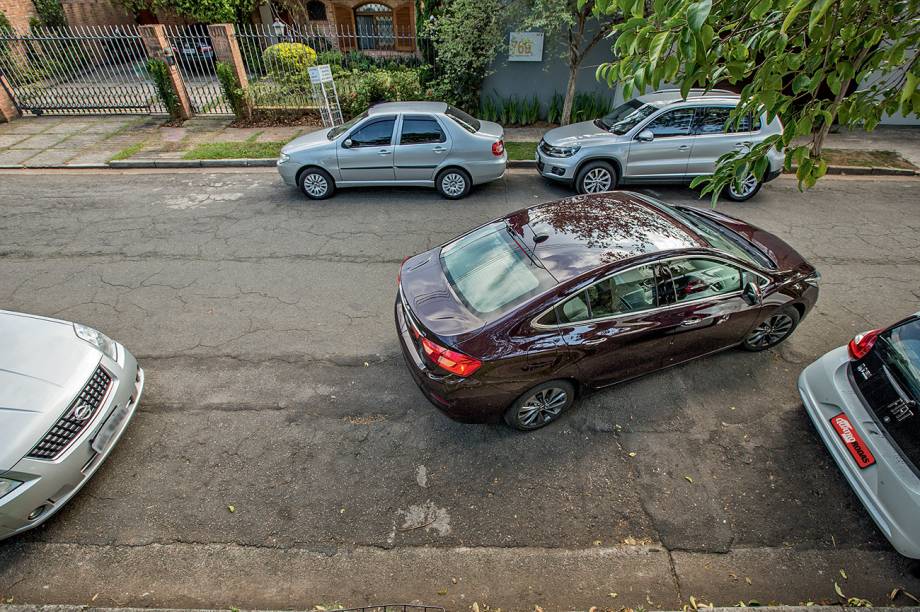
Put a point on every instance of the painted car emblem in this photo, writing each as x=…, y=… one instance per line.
x=82, y=412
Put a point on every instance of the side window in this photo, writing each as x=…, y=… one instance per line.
x=421, y=130
x=373, y=134
x=574, y=309
x=750, y=277
x=712, y=120
x=627, y=291
x=700, y=278
x=673, y=123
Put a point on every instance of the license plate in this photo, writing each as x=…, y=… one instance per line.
x=852, y=440
x=110, y=428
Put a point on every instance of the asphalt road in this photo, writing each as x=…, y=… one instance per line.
x=275, y=385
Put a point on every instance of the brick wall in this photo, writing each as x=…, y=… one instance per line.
x=95, y=12
x=18, y=12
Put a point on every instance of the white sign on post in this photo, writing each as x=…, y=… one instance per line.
x=320, y=74
x=525, y=47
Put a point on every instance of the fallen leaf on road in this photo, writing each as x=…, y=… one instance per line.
x=844, y=574
x=231, y=508
x=632, y=454
x=690, y=480
x=748, y=580
x=839, y=590
x=614, y=595
x=367, y=365
x=442, y=592
x=899, y=591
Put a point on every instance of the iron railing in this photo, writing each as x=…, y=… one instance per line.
x=75, y=70
x=194, y=55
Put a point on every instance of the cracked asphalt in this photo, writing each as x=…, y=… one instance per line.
x=275, y=385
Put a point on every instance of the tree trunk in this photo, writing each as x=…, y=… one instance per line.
x=566, y=117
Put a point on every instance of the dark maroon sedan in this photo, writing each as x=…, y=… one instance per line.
x=516, y=317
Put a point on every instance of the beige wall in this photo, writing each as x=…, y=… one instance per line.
x=18, y=12
x=95, y=12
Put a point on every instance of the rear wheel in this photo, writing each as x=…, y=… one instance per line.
x=541, y=405
x=746, y=190
x=596, y=177
x=316, y=183
x=453, y=183
x=772, y=330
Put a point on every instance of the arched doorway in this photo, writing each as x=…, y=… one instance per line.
x=374, y=25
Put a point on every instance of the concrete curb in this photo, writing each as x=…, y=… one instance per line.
x=411, y=607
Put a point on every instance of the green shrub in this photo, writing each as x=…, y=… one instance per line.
x=159, y=72
x=233, y=91
x=587, y=106
x=288, y=63
x=554, y=112
x=362, y=90
x=50, y=13
x=4, y=22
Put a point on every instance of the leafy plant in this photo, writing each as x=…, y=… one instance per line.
x=49, y=13
x=289, y=63
x=530, y=111
x=488, y=108
x=203, y=11
x=589, y=105
x=554, y=112
x=159, y=72
x=233, y=91
x=5, y=24
x=810, y=62
x=362, y=90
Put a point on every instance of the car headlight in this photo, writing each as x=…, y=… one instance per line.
x=7, y=485
x=561, y=151
x=97, y=339
x=284, y=157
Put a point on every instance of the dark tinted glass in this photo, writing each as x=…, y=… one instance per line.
x=627, y=291
x=701, y=278
x=373, y=135
x=466, y=121
x=421, y=130
x=574, y=309
x=673, y=123
x=712, y=120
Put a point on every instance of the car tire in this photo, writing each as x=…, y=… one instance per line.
x=316, y=183
x=596, y=177
x=453, y=183
x=540, y=405
x=750, y=187
x=772, y=330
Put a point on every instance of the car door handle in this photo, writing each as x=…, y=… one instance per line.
x=683, y=148
x=594, y=341
x=691, y=321
x=383, y=152
x=439, y=149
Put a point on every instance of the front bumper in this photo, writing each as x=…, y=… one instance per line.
x=556, y=168
x=48, y=485
x=463, y=399
x=888, y=489
x=288, y=171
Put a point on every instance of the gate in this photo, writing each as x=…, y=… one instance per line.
x=194, y=53
x=78, y=70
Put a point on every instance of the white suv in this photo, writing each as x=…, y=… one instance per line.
x=656, y=138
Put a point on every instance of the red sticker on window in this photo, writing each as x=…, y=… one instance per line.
x=853, y=441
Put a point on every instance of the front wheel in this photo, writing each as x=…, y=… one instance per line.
x=316, y=184
x=596, y=177
x=541, y=405
x=772, y=330
x=745, y=190
x=453, y=183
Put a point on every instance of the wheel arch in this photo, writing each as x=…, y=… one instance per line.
x=613, y=161
x=303, y=169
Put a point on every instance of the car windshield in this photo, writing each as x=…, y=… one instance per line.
x=341, y=129
x=625, y=117
x=491, y=272
x=900, y=350
x=467, y=122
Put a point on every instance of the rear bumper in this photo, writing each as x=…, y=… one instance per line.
x=888, y=489
x=487, y=171
x=51, y=484
x=463, y=399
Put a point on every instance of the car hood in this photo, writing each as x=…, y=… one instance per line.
x=578, y=134
x=43, y=365
x=307, y=141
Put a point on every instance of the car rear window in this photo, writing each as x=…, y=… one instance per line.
x=467, y=122
x=900, y=350
x=491, y=272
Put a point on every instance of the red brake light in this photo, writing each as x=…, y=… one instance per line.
x=452, y=361
x=399, y=273
x=498, y=147
x=860, y=346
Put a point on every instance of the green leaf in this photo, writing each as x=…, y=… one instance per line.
x=797, y=8
x=657, y=46
x=910, y=87
x=800, y=83
x=761, y=9
x=817, y=13
x=697, y=14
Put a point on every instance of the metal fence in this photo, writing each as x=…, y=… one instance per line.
x=78, y=70
x=194, y=53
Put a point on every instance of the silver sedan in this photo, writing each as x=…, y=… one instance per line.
x=67, y=393
x=424, y=144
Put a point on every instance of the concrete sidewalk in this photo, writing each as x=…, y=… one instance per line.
x=97, y=141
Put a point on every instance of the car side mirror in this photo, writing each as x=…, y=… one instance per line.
x=645, y=136
x=348, y=143
x=752, y=294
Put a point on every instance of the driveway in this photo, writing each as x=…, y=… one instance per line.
x=282, y=456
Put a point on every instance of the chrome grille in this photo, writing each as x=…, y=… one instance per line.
x=78, y=415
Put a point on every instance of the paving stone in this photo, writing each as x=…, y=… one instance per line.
x=8, y=140
x=39, y=141
x=49, y=157
x=17, y=156
x=69, y=126
x=96, y=156
x=80, y=141
x=281, y=134
x=31, y=125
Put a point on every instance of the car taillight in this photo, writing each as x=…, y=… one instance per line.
x=498, y=147
x=452, y=361
x=399, y=273
x=860, y=346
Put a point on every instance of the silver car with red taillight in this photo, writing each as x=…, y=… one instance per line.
x=422, y=144
x=67, y=393
x=863, y=400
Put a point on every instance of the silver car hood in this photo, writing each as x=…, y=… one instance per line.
x=307, y=141
x=43, y=365
x=581, y=133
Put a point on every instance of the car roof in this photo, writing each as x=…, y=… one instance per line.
x=665, y=97
x=590, y=231
x=407, y=107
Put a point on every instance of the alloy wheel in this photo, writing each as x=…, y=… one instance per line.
x=771, y=331
x=453, y=184
x=315, y=184
x=597, y=180
x=748, y=185
x=542, y=407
